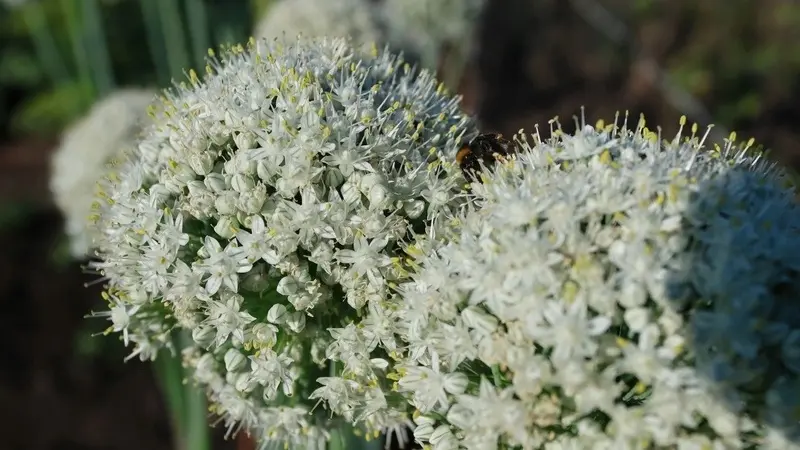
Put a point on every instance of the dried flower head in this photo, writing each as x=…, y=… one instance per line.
x=611, y=290
x=111, y=127
x=353, y=19
x=264, y=212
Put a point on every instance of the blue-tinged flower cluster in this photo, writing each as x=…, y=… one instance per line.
x=611, y=290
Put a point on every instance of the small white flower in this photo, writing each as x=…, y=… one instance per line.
x=272, y=370
x=366, y=258
x=227, y=317
x=430, y=387
x=222, y=265
x=569, y=331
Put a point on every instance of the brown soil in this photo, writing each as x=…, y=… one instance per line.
x=54, y=399
x=25, y=167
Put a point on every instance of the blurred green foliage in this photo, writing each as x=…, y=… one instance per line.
x=47, y=112
x=738, y=56
x=59, y=56
x=753, y=45
x=13, y=214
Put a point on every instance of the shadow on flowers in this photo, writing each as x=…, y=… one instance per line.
x=735, y=290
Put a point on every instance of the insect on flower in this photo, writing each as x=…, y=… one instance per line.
x=482, y=152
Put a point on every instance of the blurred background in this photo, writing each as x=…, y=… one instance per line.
x=734, y=63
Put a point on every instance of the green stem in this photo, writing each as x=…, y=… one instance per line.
x=152, y=26
x=46, y=48
x=169, y=374
x=231, y=22
x=186, y=403
x=196, y=434
x=344, y=437
x=198, y=30
x=373, y=444
x=497, y=377
x=95, y=43
x=73, y=22
x=174, y=39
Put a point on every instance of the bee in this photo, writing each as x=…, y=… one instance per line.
x=481, y=153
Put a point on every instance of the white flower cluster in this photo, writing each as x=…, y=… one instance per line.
x=265, y=212
x=109, y=129
x=610, y=290
x=355, y=19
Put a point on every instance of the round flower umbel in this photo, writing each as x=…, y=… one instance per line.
x=264, y=212
x=109, y=129
x=610, y=290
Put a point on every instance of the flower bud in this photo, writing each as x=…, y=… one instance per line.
x=378, y=197
x=264, y=335
x=413, y=209
x=264, y=171
x=277, y=314
x=244, y=140
x=234, y=360
x=203, y=335
x=215, y=182
x=219, y=134
x=296, y=321
x=483, y=322
x=226, y=203
x=202, y=163
x=252, y=201
x=242, y=183
x=350, y=192
x=257, y=280
x=226, y=227
x=245, y=382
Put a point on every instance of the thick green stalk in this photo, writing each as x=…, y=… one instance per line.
x=155, y=38
x=174, y=38
x=196, y=431
x=169, y=373
x=345, y=438
x=185, y=402
x=72, y=18
x=46, y=49
x=94, y=39
x=198, y=30
x=231, y=22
